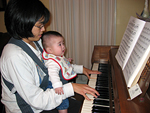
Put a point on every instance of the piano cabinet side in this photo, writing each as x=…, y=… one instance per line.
x=122, y=105
x=144, y=80
x=115, y=93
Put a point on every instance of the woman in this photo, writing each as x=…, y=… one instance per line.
x=24, y=20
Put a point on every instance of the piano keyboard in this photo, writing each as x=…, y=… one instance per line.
x=102, y=83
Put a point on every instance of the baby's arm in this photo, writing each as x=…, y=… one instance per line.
x=59, y=90
x=53, y=71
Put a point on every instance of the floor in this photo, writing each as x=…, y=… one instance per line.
x=81, y=79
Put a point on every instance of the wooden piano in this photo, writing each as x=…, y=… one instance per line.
x=112, y=87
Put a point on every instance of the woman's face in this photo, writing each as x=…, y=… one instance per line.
x=37, y=31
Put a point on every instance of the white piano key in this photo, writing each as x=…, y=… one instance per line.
x=93, y=76
x=92, y=83
x=87, y=105
x=95, y=66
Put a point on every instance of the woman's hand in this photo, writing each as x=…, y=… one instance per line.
x=88, y=71
x=84, y=89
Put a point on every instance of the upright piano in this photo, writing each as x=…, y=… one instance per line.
x=114, y=96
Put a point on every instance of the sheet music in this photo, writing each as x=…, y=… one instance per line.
x=130, y=37
x=139, y=57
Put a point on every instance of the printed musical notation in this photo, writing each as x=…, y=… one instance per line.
x=134, y=50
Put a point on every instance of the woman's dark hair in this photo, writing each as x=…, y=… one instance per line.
x=21, y=16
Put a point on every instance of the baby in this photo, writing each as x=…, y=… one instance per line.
x=59, y=68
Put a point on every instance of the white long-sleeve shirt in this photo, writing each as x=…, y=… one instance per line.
x=18, y=68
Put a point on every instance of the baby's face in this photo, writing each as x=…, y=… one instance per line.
x=57, y=48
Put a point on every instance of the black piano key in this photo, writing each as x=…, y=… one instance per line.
x=102, y=84
x=104, y=94
x=102, y=68
x=100, y=109
x=102, y=79
x=101, y=102
x=102, y=88
x=105, y=79
x=112, y=94
x=113, y=103
x=113, y=110
x=101, y=76
x=103, y=72
x=103, y=97
x=103, y=65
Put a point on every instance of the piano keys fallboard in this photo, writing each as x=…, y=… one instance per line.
x=102, y=83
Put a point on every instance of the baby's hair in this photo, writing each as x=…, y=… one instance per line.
x=46, y=37
x=55, y=33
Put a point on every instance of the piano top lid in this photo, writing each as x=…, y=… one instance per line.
x=101, y=53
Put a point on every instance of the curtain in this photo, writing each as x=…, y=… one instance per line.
x=84, y=23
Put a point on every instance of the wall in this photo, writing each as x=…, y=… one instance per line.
x=46, y=3
x=2, y=25
x=125, y=9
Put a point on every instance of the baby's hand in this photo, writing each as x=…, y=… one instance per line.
x=70, y=59
x=59, y=90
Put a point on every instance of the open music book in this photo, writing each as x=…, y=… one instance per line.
x=134, y=50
